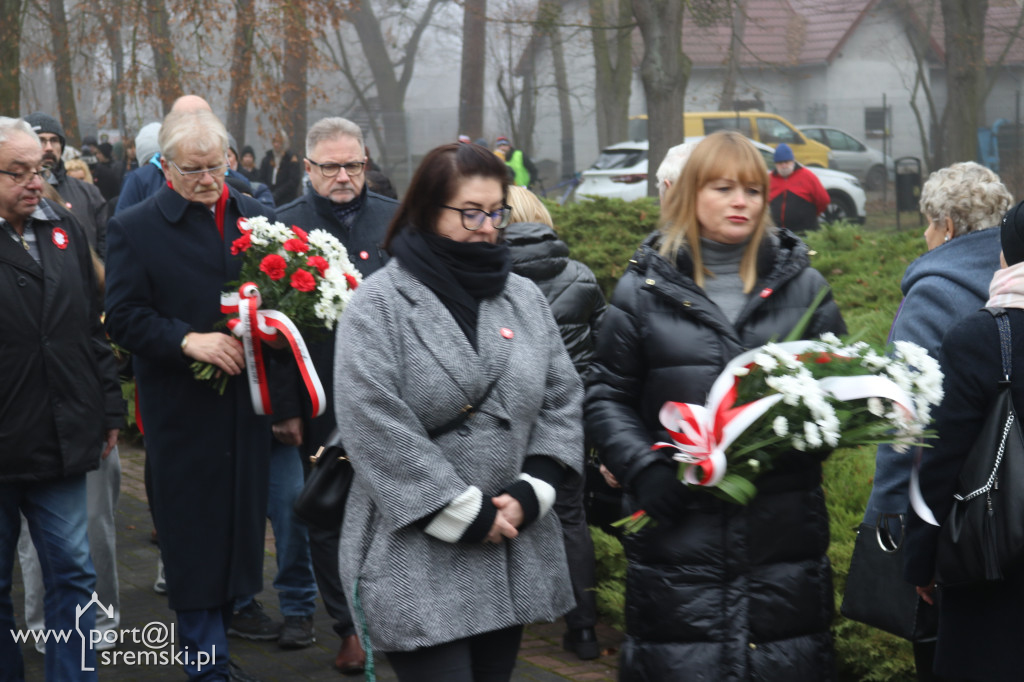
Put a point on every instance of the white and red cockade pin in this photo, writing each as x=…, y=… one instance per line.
x=766, y=292
x=507, y=333
x=365, y=255
x=60, y=238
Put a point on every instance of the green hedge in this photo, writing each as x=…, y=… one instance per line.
x=864, y=269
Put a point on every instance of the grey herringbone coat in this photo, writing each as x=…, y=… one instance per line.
x=403, y=367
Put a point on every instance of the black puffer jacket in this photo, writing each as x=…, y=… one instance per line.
x=728, y=592
x=569, y=286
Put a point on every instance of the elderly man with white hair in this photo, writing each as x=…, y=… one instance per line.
x=169, y=259
x=61, y=407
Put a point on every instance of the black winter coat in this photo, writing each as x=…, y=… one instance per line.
x=981, y=627
x=87, y=205
x=569, y=286
x=208, y=453
x=60, y=387
x=729, y=592
x=289, y=176
x=363, y=242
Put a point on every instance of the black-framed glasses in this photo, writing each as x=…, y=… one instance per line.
x=218, y=170
x=22, y=178
x=329, y=170
x=473, y=218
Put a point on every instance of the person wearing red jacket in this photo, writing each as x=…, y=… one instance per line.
x=796, y=195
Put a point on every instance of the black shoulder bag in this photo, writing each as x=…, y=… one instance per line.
x=982, y=539
x=321, y=502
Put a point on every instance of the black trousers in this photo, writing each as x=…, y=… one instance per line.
x=487, y=657
x=579, y=550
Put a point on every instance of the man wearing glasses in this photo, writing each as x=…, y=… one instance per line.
x=339, y=202
x=61, y=407
x=169, y=259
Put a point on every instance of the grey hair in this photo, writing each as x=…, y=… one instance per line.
x=9, y=126
x=332, y=128
x=967, y=193
x=672, y=167
x=201, y=131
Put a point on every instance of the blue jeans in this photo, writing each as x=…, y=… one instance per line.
x=204, y=643
x=57, y=519
x=295, y=585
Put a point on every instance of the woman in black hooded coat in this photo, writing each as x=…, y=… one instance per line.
x=714, y=591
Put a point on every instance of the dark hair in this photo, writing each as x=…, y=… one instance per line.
x=436, y=182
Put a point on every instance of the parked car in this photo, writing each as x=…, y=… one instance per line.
x=760, y=126
x=621, y=172
x=849, y=154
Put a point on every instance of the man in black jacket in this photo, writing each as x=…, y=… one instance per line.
x=340, y=203
x=83, y=200
x=61, y=408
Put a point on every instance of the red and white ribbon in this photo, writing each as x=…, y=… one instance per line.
x=253, y=325
x=701, y=434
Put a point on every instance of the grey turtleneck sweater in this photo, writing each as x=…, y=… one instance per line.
x=724, y=287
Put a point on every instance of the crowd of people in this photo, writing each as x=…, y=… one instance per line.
x=461, y=379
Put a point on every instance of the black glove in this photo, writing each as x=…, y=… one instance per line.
x=660, y=493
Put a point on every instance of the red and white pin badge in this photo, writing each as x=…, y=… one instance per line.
x=365, y=255
x=766, y=292
x=60, y=238
x=243, y=225
x=507, y=333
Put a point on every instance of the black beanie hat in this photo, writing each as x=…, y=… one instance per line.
x=1011, y=234
x=44, y=123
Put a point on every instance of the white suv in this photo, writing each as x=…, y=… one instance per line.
x=621, y=172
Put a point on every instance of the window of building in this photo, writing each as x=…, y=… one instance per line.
x=876, y=121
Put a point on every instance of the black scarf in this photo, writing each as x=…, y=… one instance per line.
x=461, y=274
x=346, y=213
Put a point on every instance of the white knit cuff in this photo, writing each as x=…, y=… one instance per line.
x=453, y=520
x=544, y=491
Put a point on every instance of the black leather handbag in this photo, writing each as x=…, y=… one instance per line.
x=982, y=539
x=876, y=593
x=321, y=502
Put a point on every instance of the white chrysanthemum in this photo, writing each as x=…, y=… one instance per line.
x=876, y=407
x=765, y=362
x=740, y=371
x=830, y=429
x=831, y=339
x=799, y=444
x=812, y=435
x=754, y=464
x=780, y=426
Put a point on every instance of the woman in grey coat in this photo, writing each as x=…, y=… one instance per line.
x=461, y=412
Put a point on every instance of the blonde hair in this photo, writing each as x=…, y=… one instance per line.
x=723, y=154
x=527, y=208
x=78, y=164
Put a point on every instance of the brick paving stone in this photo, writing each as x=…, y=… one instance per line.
x=540, y=657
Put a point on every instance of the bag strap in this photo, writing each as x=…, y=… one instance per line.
x=1005, y=346
x=464, y=414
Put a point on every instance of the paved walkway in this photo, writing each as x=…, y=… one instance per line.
x=541, y=658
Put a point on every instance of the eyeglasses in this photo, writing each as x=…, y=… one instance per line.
x=473, y=218
x=23, y=178
x=329, y=170
x=218, y=170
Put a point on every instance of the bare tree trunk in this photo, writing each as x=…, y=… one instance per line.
x=62, y=71
x=471, y=86
x=168, y=74
x=965, y=76
x=612, y=81
x=562, y=88
x=523, y=133
x=241, y=71
x=10, y=57
x=665, y=71
x=296, y=61
x=112, y=33
x=727, y=102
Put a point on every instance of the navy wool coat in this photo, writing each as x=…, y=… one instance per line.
x=207, y=452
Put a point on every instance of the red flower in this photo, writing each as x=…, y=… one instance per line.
x=303, y=280
x=352, y=283
x=241, y=244
x=300, y=233
x=274, y=266
x=296, y=245
x=318, y=262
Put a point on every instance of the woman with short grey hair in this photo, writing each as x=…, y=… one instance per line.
x=940, y=288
